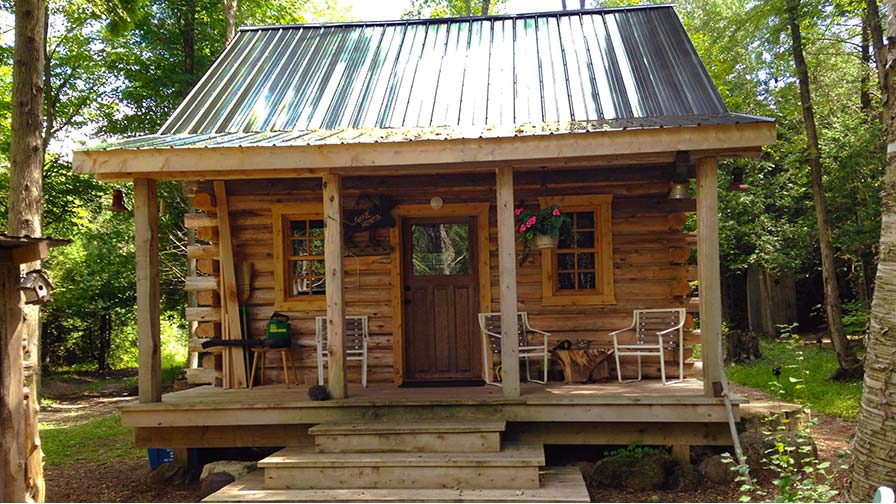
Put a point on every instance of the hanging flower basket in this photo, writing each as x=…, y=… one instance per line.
x=546, y=241
x=544, y=227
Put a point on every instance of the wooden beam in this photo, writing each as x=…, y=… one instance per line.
x=30, y=253
x=510, y=351
x=12, y=400
x=317, y=159
x=708, y=273
x=146, y=235
x=230, y=304
x=333, y=252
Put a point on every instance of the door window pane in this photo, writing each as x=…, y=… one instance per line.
x=440, y=249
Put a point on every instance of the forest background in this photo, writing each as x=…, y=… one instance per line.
x=118, y=69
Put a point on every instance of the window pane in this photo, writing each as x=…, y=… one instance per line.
x=299, y=281
x=318, y=285
x=316, y=228
x=317, y=247
x=566, y=262
x=441, y=249
x=565, y=241
x=585, y=239
x=584, y=220
x=298, y=228
x=586, y=261
x=586, y=280
x=566, y=281
x=318, y=268
x=299, y=248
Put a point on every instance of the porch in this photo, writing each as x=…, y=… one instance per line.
x=678, y=414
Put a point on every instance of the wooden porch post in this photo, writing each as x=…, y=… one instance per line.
x=333, y=252
x=708, y=273
x=146, y=236
x=510, y=345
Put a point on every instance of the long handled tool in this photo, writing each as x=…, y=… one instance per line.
x=244, y=290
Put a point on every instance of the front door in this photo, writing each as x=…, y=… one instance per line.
x=441, y=299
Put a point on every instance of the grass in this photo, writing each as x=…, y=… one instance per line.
x=824, y=396
x=102, y=439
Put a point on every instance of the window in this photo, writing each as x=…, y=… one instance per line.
x=299, y=271
x=580, y=270
x=441, y=249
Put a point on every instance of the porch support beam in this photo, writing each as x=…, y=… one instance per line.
x=333, y=252
x=708, y=274
x=510, y=351
x=146, y=235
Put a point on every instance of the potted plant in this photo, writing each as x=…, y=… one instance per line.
x=543, y=226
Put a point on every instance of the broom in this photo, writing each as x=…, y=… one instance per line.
x=243, y=291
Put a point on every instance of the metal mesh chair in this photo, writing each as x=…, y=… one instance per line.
x=356, y=336
x=657, y=331
x=490, y=325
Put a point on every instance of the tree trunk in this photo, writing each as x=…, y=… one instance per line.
x=486, y=5
x=26, y=203
x=872, y=15
x=865, y=82
x=563, y=2
x=188, y=36
x=230, y=18
x=845, y=356
x=873, y=448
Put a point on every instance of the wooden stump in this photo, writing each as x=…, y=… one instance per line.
x=578, y=365
x=743, y=346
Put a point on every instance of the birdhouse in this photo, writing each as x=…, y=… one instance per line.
x=36, y=286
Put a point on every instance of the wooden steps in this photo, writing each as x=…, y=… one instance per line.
x=515, y=466
x=558, y=484
x=442, y=437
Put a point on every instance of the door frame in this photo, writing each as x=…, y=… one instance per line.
x=483, y=250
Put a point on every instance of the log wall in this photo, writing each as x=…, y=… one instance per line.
x=651, y=256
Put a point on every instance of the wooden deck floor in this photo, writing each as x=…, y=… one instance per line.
x=268, y=415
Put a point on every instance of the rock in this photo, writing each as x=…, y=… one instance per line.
x=716, y=471
x=213, y=482
x=625, y=471
x=318, y=393
x=758, y=446
x=684, y=477
x=754, y=444
x=169, y=472
x=235, y=468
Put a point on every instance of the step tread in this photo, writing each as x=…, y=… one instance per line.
x=305, y=456
x=404, y=428
x=559, y=484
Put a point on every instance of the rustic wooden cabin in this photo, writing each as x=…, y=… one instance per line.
x=367, y=174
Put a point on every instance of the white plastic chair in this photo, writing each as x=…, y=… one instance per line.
x=490, y=325
x=356, y=336
x=656, y=331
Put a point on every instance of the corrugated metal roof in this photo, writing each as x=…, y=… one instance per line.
x=448, y=78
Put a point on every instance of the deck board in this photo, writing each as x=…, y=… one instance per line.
x=559, y=484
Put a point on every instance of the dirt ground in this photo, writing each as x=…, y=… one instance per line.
x=127, y=481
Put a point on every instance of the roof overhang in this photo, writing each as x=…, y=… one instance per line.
x=587, y=149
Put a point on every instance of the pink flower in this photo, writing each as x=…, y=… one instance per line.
x=518, y=211
x=531, y=222
x=522, y=228
x=556, y=212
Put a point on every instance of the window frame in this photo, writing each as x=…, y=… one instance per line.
x=601, y=205
x=281, y=215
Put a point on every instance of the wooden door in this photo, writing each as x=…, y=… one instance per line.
x=441, y=299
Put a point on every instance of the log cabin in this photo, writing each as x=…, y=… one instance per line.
x=373, y=169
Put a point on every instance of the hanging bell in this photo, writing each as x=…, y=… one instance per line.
x=118, y=202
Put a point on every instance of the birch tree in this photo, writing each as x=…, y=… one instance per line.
x=874, y=446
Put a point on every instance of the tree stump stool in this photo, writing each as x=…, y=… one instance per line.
x=580, y=365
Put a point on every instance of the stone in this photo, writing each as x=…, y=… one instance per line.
x=758, y=446
x=684, y=478
x=235, y=468
x=214, y=482
x=632, y=473
x=715, y=470
x=167, y=473
x=764, y=416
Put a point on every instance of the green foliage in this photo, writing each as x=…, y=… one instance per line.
x=99, y=440
x=805, y=368
x=855, y=317
x=797, y=474
x=635, y=451
x=449, y=8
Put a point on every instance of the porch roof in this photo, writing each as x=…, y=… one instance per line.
x=496, y=77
